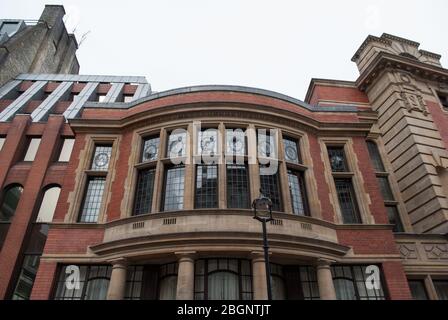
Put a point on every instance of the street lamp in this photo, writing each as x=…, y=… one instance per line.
x=263, y=212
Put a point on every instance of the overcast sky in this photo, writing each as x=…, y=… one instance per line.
x=275, y=45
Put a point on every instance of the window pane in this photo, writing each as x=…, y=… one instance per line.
x=269, y=185
x=297, y=190
x=48, y=205
x=168, y=288
x=174, y=188
x=223, y=285
x=208, y=142
x=144, y=191
x=418, y=289
x=150, y=149
x=177, y=144
x=2, y=142
x=26, y=278
x=238, y=186
x=235, y=142
x=92, y=199
x=101, y=157
x=101, y=97
x=291, y=150
x=10, y=201
x=394, y=218
x=266, y=145
x=206, y=186
x=375, y=156
x=385, y=188
x=32, y=149
x=347, y=201
x=337, y=159
x=66, y=150
x=442, y=289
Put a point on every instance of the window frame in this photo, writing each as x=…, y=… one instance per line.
x=164, y=192
x=216, y=187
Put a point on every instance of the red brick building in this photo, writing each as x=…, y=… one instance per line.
x=145, y=195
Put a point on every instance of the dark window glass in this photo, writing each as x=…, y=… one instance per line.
x=150, y=150
x=337, y=159
x=134, y=283
x=168, y=281
x=235, y=142
x=26, y=277
x=238, y=186
x=144, y=191
x=223, y=279
x=386, y=191
x=441, y=288
x=270, y=187
x=375, y=156
x=206, y=186
x=298, y=194
x=10, y=201
x=418, y=289
x=101, y=158
x=92, y=199
x=394, y=218
x=174, y=188
x=300, y=282
x=93, y=284
x=443, y=100
x=350, y=284
x=292, y=153
x=347, y=201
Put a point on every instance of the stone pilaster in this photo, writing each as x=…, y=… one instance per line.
x=185, y=276
x=325, y=280
x=259, y=276
x=117, y=284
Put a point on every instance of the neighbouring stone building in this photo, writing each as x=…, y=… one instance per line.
x=148, y=195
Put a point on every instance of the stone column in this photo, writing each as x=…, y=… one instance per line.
x=259, y=276
x=185, y=276
x=117, y=284
x=325, y=280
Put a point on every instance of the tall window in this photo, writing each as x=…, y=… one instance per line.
x=66, y=150
x=344, y=185
x=48, y=205
x=11, y=197
x=31, y=152
x=168, y=281
x=206, y=195
x=350, y=284
x=223, y=279
x=144, y=191
x=298, y=194
x=383, y=182
x=418, y=289
x=238, y=194
x=270, y=187
x=292, y=151
x=173, y=195
x=93, y=284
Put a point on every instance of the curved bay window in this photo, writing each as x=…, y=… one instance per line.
x=223, y=279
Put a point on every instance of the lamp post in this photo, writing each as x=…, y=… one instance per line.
x=263, y=212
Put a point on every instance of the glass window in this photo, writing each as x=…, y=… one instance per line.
x=66, y=150
x=235, y=142
x=92, y=199
x=337, y=159
x=26, y=278
x=177, y=144
x=375, y=156
x=101, y=157
x=350, y=284
x=134, y=283
x=206, y=186
x=208, y=142
x=174, y=188
x=394, y=218
x=266, y=144
x=347, y=201
x=168, y=281
x=11, y=197
x=2, y=142
x=31, y=152
x=418, y=289
x=292, y=153
x=297, y=191
x=93, y=284
x=144, y=191
x=223, y=279
x=48, y=205
x=238, y=186
x=441, y=288
x=150, y=150
x=386, y=191
x=101, y=97
x=270, y=187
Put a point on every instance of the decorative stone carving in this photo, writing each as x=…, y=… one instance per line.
x=436, y=251
x=408, y=251
x=414, y=102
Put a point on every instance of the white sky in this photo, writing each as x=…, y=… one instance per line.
x=275, y=45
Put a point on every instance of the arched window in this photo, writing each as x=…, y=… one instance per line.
x=11, y=197
x=48, y=204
